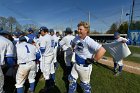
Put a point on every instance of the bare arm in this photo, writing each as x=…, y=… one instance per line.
x=99, y=54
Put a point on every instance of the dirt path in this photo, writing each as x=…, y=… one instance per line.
x=128, y=65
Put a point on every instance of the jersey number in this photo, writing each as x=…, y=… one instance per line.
x=52, y=43
x=27, y=49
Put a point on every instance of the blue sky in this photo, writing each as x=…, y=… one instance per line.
x=59, y=14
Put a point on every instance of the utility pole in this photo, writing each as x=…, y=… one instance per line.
x=89, y=20
x=121, y=20
x=132, y=13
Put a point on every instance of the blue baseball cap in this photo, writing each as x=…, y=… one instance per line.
x=4, y=32
x=116, y=34
x=30, y=30
x=51, y=30
x=43, y=28
x=16, y=33
x=23, y=38
x=68, y=30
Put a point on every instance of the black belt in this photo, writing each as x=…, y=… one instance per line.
x=84, y=65
x=22, y=63
x=25, y=63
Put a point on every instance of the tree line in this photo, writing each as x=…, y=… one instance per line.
x=124, y=27
x=11, y=24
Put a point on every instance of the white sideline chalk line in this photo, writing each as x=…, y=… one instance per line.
x=137, y=68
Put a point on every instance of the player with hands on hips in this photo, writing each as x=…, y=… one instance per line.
x=27, y=54
x=86, y=50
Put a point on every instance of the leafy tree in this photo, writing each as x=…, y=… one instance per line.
x=112, y=29
x=132, y=26
x=27, y=26
x=137, y=25
x=11, y=22
x=3, y=22
x=18, y=27
x=123, y=28
x=94, y=32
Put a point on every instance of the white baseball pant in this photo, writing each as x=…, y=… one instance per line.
x=45, y=65
x=83, y=72
x=25, y=71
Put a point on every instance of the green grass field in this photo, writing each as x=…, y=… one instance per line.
x=102, y=81
x=134, y=50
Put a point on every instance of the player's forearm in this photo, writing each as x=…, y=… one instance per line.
x=99, y=54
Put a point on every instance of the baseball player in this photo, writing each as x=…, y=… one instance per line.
x=86, y=51
x=119, y=63
x=31, y=34
x=6, y=57
x=65, y=43
x=47, y=56
x=15, y=36
x=27, y=54
x=54, y=45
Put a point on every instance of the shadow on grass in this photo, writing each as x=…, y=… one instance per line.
x=79, y=89
x=9, y=81
x=55, y=89
x=9, y=85
x=105, y=66
x=60, y=59
x=38, y=75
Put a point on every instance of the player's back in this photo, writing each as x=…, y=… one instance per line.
x=6, y=49
x=25, y=52
x=66, y=41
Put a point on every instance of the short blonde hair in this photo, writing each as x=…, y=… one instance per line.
x=85, y=25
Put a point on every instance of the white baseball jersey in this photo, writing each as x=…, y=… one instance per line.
x=53, y=41
x=66, y=41
x=6, y=49
x=16, y=39
x=56, y=40
x=25, y=52
x=85, y=48
x=45, y=42
x=120, y=39
x=118, y=49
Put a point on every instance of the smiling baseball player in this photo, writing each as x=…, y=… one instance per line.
x=86, y=51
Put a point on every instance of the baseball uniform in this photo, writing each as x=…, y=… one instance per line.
x=84, y=48
x=6, y=51
x=26, y=56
